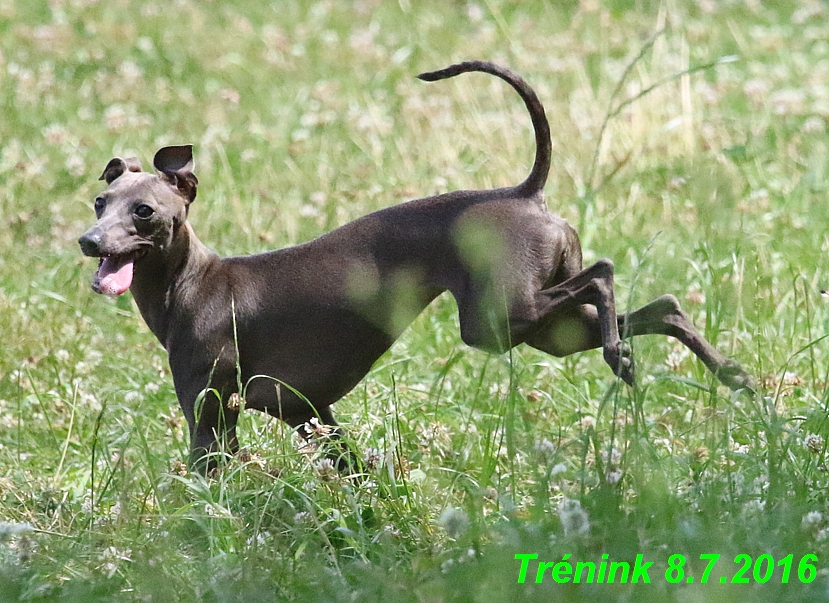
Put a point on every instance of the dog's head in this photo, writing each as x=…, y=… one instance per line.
x=139, y=213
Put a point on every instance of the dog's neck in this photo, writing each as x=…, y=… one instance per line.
x=164, y=281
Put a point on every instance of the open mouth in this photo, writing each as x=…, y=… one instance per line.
x=115, y=272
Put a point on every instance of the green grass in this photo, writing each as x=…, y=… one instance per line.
x=307, y=115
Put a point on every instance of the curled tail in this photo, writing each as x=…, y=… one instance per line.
x=538, y=175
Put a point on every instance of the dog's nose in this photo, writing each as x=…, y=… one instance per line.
x=90, y=243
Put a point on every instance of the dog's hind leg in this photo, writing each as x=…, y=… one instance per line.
x=580, y=314
x=578, y=328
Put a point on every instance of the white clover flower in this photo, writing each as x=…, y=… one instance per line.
x=613, y=456
x=664, y=443
x=454, y=521
x=145, y=44
x=791, y=378
x=574, y=518
x=235, y=401
x=75, y=165
x=112, y=556
x=317, y=427
x=676, y=357
x=258, y=540
x=83, y=368
x=372, y=459
x=215, y=510
x=326, y=469
x=811, y=520
x=813, y=443
x=754, y=507
x=302, y=518
x=814, y=124
x=545, y=450
x=545, y=447
x=318, y=198
x=559, y=468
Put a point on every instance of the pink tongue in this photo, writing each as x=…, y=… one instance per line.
x=115, y=275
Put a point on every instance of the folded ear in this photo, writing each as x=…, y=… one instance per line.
x=118, y=166
x=176, y=165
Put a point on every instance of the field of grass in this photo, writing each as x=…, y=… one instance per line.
x=304, y=115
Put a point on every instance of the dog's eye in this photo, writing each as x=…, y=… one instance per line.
x=144, y=212
x=99, y=205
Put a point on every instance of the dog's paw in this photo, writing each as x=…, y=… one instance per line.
x=734, y=377
x=620, y=360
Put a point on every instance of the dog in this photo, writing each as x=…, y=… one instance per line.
x=294, y=330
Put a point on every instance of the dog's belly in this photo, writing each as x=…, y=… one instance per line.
x=314, y=356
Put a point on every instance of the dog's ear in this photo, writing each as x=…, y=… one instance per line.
x=176, y=165
x=118, y=166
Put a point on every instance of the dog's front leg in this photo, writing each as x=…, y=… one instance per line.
x=212, y=424
x=212, y=432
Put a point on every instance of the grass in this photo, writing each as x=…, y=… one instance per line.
x=306, y=115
